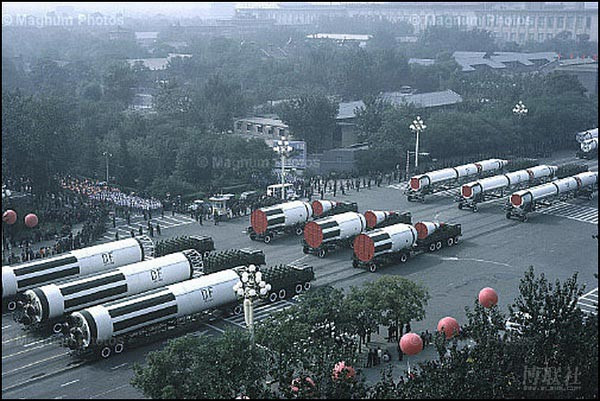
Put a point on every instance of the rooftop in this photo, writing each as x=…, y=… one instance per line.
x=339, y=36
x=264, y=121
x=468, y=60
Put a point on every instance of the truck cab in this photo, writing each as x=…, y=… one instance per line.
x=289, y=191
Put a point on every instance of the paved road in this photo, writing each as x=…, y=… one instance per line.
x=493, y=252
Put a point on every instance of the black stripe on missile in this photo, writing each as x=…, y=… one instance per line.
x=44, y=301
x=89, y=284
x=276, y=220
x=44, y=278
x=146, y=317
x=383, y=247
x=331, y=234
x=96, y=296
x=328, y=224
x=91, y=325
x=380, y=237
x=47, y=265
x=137, y=306
x=273, y=212
x=141, y=248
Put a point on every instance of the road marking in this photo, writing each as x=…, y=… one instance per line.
x=214, y=328
x=6, y=327
x=24, y=351
x=23, y=383
x=109, y=391
x=69, y=383
x=34, y=363
x=37, y=342
x=454, y=258
x=13, y=339
x=118, y=366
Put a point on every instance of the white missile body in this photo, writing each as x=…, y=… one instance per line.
x=336, y=227
x=282, y=215
x=419, y=182
x=586, y=135
x=383, y=240
x=474, y=188
x=589, y=145
x=521, y=199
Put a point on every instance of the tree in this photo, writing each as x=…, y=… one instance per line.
x=311, y=118
x=118, y=81
x=204, y=367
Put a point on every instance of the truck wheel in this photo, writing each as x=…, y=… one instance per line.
x=11, y=306
x=432, y=247
x=57, y=328
x=282, y=293
x=508, y=215
x=105, y=352
x=307, y=286
x=298, y=288
x=253, y=237
x=450, y=241
x=460, y=206
x=456, y=240
x=438, y=245
x=422, y=200
x=372, y=267
x=403, y=258
x=475, y=210
x=238, y=309
x=299, y=231
x=305, y=250
x=119, y=347
x=322, y=253
x=523, y=219
x=273, y=297
x=267, y=239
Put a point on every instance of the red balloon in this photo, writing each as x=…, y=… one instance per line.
x=31, y=220
x=9, y=217
x=343, y=371
x=449, y=326
x=488, y=297
x=411, y=344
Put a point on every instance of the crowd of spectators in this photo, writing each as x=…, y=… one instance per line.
x=100, y=191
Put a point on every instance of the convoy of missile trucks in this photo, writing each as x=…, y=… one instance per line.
x=135, y=290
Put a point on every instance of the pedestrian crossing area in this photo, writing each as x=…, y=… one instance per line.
x=124, y=229
x=588, y=303
x=581, y=213
x=260, y=312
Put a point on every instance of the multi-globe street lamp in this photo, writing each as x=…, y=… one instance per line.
x=520, y=109
x=417, y=127
x=284, y=149
x=251, y=287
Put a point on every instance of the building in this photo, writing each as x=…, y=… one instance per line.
x=341, y=159
x=261, y=127
x=156, y=63
x=510, y=21
x=341, y=38
x=346, y=118
x=146, y=39
x=515, y=62
x=586, y=71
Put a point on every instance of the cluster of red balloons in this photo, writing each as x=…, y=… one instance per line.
x=412, y=344
x=10, y=217
x=343, y=371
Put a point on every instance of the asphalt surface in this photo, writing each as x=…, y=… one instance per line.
x=493, y=252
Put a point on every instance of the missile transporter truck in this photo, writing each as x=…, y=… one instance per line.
x=396, y=243
x=331, y=233
x=274, y=221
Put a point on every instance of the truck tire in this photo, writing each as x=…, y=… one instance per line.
x=307, y=286
x=450, y=241
x=11, y=306
x=298, y=288
x=267, y=239
x=57, y=328
x=237, y=310
x=105, y=352
x=322, y=253
x=282, y=293
x=372, y=267
x=523, y=219
x=460, y=206
x=273, y=297
x=456, y=240
x=432, y=247
x=438, y=245
x=252, y=237
x=119, y=347
x=475, y=210
x=305, y=250
x=299, y=231
x=508, y=215
x=403, y=258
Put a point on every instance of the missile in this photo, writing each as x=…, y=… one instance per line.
x=336, y=227
x=384, y=240
x=282, y=215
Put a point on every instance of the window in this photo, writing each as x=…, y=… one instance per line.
x=259, y=128
x=540, y=37
x=588, y=22
x=570, y=22
x=579, y=23
x=550, y=21
x=238, y=125
x=521, y=37
x=248, y=126
x=560, y=22
x=513, y=36
x=549, y=36
x=530, y=37
x=540, y=22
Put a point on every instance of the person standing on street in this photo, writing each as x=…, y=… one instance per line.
x=132, y=233
x=116, y=235
x=141, y=231
x=157, y=229
x=151, y=229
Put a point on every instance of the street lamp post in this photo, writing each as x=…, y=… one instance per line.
x=107, y=155
x=284, y=149
x=417, y=126
x=251, y=287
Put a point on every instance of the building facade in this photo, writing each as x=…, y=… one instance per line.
x=510, y=22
